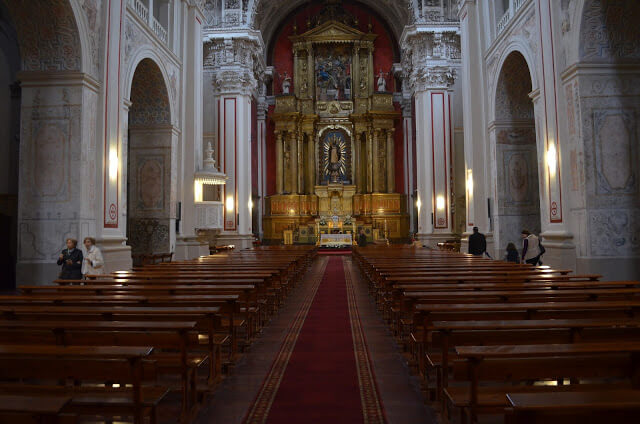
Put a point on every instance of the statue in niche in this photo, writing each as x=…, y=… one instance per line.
x=334, y=157
x=286, y=84
x=382, y=81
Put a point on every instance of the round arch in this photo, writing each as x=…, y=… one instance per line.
x=151, y=153
x=395, y=17
x=83, y=34
x=514, y=142
x=140, y=55
x=58, y=25
x=517, y=45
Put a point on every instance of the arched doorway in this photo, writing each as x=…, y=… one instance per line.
x=151, y=191
x=518, y=189
x=10, y=94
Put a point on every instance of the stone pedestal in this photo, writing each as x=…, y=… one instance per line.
x=560, y=250
x=189, y=248
x=116, y=254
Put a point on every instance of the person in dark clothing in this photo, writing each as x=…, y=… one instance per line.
x=512, y=254
x=477, y=243
x=71, y=261
x=362, y=239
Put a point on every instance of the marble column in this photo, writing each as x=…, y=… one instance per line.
x=478, y=176
x=369, y=166
x=259, y=207
x=433, y=141
x=300, y=162
x=553, y=146
x=236, y=83
x=295, y=162
x=279, y=164
x=187, y=244
x=356, y=163
x=375, y=162
x=59, y=195
x=311, y=165
x=429, y=79
x=391, y=173
x=409, y=170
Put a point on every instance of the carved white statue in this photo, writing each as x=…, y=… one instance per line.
x=382, y=81
x=286, y=84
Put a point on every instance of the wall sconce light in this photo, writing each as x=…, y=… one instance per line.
x=113, y=164
x=470, y=182
x=440, y=203
x=552, y=161
x=418, y=204
x=250, y=204
x=229, y=203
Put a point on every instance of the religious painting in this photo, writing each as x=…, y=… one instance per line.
x=333, y=72
x=518, y=169
x=335, y=157
x=150, y=183
x=49, y=157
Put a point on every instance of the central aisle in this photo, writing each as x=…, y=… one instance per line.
x=322, y=373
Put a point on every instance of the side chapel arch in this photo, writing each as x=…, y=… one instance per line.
x=151, y=165
x=516, y=158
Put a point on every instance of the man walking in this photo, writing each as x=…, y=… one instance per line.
x=477, y=243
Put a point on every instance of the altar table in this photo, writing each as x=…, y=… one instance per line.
x=335, y=240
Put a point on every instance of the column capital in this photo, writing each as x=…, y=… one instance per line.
x=436, y=78
x=430, y=56
x=236, y=60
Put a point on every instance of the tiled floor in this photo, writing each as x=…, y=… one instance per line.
x=402, y=401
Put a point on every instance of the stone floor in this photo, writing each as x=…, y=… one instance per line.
x=401, y=398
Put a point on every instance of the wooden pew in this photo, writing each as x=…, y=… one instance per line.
x=27, y=410
x=175, y=335
x=207, y=317
x=593, y=407
x=505, y=365
x=447, y=334
x=85, y=365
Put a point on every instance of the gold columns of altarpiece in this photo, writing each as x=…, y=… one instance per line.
x=346, y=102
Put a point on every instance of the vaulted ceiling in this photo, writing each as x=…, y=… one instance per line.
x=270, y=13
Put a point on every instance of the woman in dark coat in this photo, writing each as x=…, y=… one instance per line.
x=512, y=254
x=71, y=261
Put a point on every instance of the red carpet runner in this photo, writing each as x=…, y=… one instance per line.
x=325, y=376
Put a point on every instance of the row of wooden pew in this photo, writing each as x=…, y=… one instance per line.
x=501, y=342
x=122, y=346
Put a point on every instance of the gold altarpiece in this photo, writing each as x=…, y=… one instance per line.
x=334, y=136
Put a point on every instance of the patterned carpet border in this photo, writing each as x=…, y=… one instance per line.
x=372, y=408
x=261, y=406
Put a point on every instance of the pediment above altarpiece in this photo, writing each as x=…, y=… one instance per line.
x=333, y=32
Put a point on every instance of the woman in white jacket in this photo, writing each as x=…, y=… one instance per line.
x=93, y=263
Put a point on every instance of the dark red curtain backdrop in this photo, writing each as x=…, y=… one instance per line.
x=281, y=57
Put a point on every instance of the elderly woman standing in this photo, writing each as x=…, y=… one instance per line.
x=71, y=261
x=93, y=262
